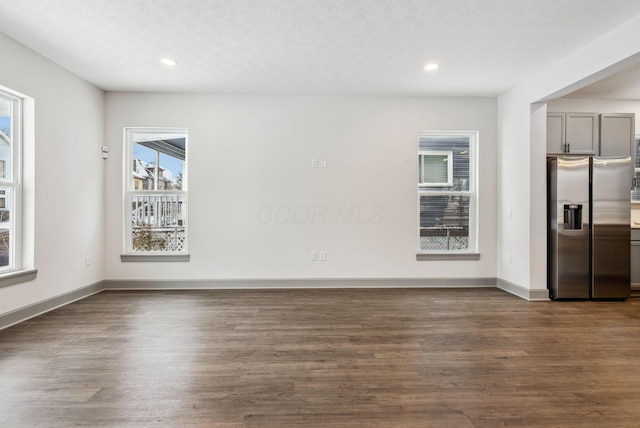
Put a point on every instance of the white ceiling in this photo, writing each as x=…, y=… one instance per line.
x=624, y=85
x=376, y=47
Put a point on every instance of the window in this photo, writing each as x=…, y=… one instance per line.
x=156, y=191
x=10, y=180
x=436, y=168
x=446, y=192
x=635, y=193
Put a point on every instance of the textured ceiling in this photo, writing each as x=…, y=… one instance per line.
x=377, y=47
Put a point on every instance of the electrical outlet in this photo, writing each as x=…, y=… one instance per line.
x=323, y=256
x=323, y=163
x=509, y=258
x=314, y=163
x=314, y=256
x=87, y=261
x=509, y=213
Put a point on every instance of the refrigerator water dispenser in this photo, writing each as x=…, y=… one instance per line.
x=573, y=217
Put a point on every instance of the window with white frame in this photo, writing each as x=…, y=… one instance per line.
x=10, y=181
x=156, y=191
x=447, y=192
x=435, y=168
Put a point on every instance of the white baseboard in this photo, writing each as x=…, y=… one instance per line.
x=22, y=314
x=33, y=310
x=535, y=295
x=129, y=284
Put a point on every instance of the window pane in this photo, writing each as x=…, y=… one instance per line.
x=144, y=170
x=5, y=226
x=144, y=164
x=6, y=107
x=168, y=150
x=158, y=223
x=170, y=173
x=461, y=159
x=444, y=222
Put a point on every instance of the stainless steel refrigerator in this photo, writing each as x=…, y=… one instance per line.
x=589, y=239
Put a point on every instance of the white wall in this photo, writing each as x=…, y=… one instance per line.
x=521, y=148
x=69, y=124
x=250, y=156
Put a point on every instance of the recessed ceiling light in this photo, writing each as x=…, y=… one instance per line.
x=168, y=61
x=431, y=67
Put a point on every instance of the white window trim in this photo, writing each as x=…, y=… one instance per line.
x=448, y=154
x=155, y=256
x=23, y=155
x=472, y=252
x=13, y=181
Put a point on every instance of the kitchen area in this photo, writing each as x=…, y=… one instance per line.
x=586, y=130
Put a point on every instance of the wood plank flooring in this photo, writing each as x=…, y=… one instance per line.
x=353, y=358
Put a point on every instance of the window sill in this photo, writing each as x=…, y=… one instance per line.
x=155, y=257
x=17, y=277
x=447, y=256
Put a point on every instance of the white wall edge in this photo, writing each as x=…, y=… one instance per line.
x=536, y=295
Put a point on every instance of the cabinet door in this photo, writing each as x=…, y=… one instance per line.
x=617, y=134
x=555, y=132
x=581, y=133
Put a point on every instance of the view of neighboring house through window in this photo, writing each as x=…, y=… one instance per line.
x=446, y=192
x=156, y=209
x=10, y=144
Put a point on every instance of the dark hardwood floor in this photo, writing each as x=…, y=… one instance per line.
x=361, y=358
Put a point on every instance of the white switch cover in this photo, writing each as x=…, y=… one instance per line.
x=323, y=256
x=314, y=256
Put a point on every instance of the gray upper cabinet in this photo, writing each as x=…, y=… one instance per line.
x=555, y=132
x=581, y=133
x=606, y=134
x=574, y=133
x=617, y=134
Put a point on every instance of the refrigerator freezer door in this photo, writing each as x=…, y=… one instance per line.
x=611, y=228
x=568, y=180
